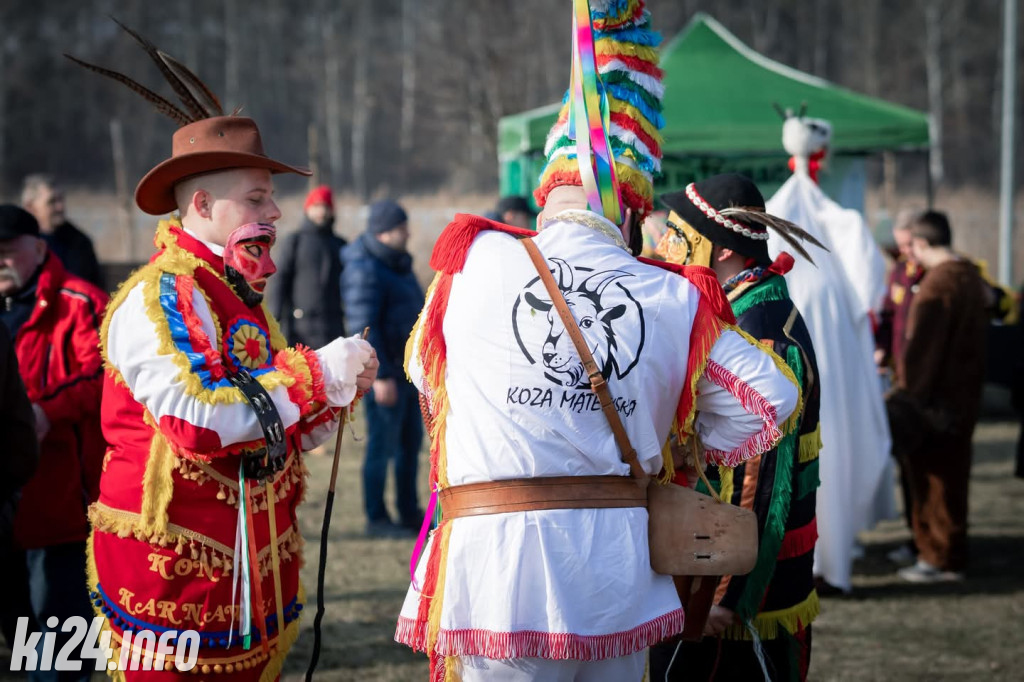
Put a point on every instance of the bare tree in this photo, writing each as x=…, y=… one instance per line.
x=332, y=95
x=232, y=48
x=361, y=102
x=408, y=125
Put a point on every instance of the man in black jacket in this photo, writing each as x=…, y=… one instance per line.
x=306, y=298
x=381, y=292
x=44, y=198
x=21, y=456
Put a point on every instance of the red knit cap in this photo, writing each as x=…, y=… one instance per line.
x=320, y=195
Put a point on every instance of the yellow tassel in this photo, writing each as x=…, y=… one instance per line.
x=810, y=445
x=768, y=623
x=434, y=619
x=725, y=476
x=667, y=462
x=412, y=343
x=157, y=486
x=452, y=669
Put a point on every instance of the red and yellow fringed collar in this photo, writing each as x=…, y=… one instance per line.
x=173, y=242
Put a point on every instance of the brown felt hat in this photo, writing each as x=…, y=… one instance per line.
x=206, y=146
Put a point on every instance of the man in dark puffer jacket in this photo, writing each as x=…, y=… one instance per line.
x=380, y=291
x=305, y=296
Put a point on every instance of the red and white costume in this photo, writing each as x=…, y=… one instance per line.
x=164, y=528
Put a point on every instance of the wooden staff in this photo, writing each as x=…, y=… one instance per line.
x=324, y=530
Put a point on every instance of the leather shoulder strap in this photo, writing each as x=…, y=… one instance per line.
x=597, y=381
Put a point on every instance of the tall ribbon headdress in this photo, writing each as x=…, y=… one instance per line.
x=606, y=139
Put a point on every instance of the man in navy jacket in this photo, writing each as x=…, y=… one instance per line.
x=381, y=292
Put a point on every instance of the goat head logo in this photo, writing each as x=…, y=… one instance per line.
x=610, y=320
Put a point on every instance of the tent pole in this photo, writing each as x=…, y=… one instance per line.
x=929, y=186
x=1007, y=157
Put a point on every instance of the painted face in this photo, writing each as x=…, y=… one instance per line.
x=247, y=261
x=683, y=245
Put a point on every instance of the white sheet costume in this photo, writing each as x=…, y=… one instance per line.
x=565, y=583
x=836, y=299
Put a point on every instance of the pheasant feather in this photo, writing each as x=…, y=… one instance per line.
x=180, y=88
x=162, y=105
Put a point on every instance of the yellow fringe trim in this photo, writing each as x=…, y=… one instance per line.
x=437, y=600
x=157, y=486
x=193, y=384
x=115, y=302
x=706, y=343
x=177, y=261
x=413, y=342
x=727, y=483
x=284, y=643
x=768, y=623
x=667, y=462
x=810, y=445
x=277, y=340
x=793, y=422
x=452, y=671
x=440, y=421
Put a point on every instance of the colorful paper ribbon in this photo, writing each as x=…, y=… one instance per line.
x=590, y=120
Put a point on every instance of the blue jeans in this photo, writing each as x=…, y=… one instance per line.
x=395, y=432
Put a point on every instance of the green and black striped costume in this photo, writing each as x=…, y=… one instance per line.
x=778, y=596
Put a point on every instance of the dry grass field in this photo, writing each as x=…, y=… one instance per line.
x=887, y=630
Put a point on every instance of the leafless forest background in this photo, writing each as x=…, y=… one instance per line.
x=402, y=97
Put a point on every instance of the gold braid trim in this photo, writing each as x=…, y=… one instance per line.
x=210, y=553
x=200, y=472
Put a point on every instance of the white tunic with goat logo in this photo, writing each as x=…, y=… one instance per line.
x=574, y=583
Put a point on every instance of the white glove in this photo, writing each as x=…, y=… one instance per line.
x=341, y=362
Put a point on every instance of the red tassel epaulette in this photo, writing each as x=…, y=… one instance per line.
x=452, y=246
x=706, y=282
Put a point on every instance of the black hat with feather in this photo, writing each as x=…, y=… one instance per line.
x=729, y=210
x=207, y=140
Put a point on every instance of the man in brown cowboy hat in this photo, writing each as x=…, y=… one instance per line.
x=207, y=411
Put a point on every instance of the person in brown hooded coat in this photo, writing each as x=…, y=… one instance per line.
x=941, y=374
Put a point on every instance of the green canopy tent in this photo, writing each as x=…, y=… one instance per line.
x=718, y=106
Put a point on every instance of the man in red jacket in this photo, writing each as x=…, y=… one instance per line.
x=54, y=318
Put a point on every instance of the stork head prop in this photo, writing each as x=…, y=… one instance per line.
x=804, y=138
